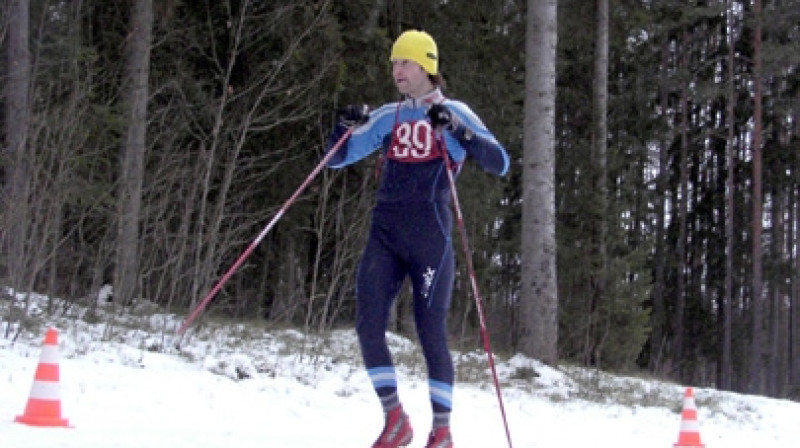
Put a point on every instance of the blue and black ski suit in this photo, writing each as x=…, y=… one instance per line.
x=410, y=234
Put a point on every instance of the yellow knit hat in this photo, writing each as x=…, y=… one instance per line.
x=417, y=46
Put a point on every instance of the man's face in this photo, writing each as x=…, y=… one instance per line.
x=410, y=78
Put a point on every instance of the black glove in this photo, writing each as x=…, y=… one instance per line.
x=353, y=115
x=441, y=116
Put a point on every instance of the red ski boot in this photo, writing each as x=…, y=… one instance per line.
x=440, y=438
x=397, y=431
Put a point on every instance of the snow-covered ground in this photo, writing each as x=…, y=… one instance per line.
x=240, y=386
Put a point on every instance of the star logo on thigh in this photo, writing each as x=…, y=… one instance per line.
x=428, y=278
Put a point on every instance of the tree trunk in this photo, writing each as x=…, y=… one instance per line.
x=600, y=150
x=15, y=201
x=539, y=297
x=794, y=303
x=778, y=321
x=371, y=23
x=135, y=94
x=725, y=367
x=659, y=317
x=683, y=206
x=757, y=307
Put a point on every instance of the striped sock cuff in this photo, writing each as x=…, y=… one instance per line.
x=441, y=393
x=384, y=380
x=441, y=419
x=382, y=377
x=389, y=402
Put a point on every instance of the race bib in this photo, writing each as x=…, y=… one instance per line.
x=413, y=142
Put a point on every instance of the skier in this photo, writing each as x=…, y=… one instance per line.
x=410, y=233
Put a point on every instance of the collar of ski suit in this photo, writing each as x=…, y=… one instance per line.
x=435, y=96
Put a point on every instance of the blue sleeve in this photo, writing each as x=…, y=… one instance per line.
x=364, y=140
x=471, y=137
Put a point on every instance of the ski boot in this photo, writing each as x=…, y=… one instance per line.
x=396, y=432
x=440, y=438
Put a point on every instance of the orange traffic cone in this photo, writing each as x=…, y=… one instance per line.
x=44, y=403
x=689, y=436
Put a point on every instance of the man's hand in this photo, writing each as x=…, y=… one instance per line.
x=441, y=116
x=353, y=115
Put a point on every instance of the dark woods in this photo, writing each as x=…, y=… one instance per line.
x=150, y=160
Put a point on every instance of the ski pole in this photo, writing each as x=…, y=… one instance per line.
x=199, y=308
x=471, y=272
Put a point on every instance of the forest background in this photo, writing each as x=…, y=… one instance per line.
x=146, y=143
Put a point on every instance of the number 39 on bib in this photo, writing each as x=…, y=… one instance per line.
x=413, y=142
